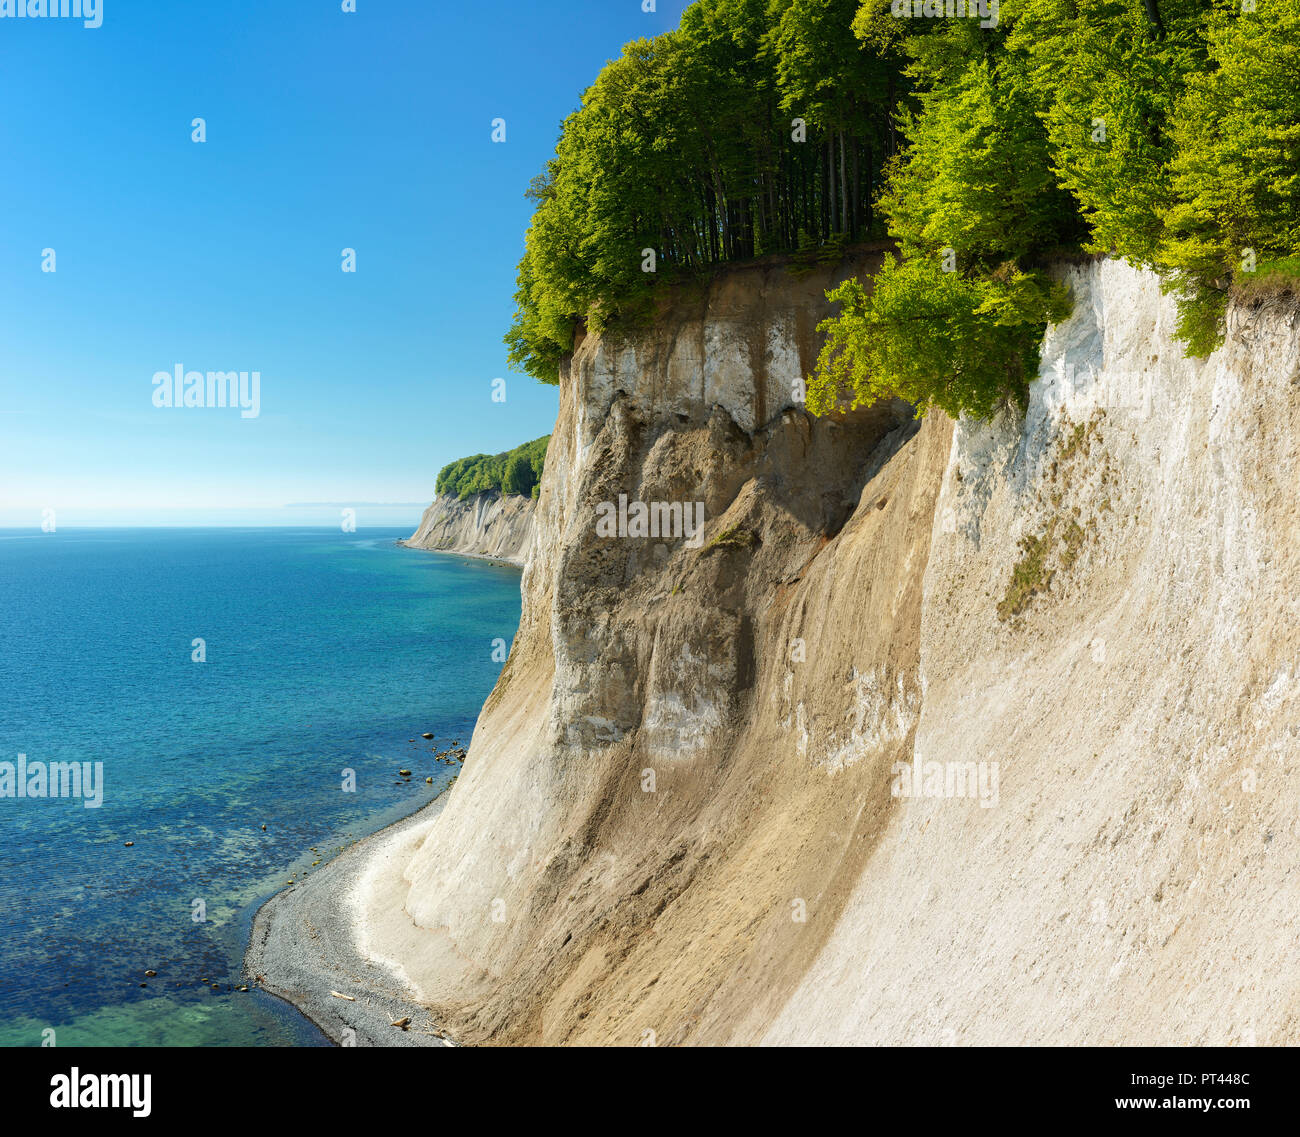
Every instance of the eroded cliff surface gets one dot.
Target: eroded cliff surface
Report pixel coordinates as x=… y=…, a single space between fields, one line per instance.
x=1136 y=882
x=485 y=525
x=687 y=808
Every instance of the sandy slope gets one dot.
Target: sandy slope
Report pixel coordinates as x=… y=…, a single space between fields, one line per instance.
x=677 y=820
x=1138 y=880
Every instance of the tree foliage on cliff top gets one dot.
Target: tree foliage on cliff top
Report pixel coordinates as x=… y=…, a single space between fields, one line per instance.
x=1166 y=132
x=957 y=321
x=517 y=471
x=684 y=145
x=1163 y=131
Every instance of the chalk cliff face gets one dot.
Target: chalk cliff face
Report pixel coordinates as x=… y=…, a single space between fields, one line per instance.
x=689 y=812
x=485 y=525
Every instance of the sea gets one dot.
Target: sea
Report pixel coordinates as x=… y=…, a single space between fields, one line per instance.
x=241 y=701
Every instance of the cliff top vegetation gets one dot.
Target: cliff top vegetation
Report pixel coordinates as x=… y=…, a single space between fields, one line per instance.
x=517 y=471
x=1166 y=132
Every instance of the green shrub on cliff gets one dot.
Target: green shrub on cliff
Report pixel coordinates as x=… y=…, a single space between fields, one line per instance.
x=1163 y=131
x=1107 y=76
x=964 y=343
x=517 y=471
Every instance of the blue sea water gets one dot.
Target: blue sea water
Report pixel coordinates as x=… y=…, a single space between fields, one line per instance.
x=325 y=652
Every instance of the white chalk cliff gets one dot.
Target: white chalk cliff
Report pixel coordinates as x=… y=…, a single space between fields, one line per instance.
x=485 y=525
x=678 y=812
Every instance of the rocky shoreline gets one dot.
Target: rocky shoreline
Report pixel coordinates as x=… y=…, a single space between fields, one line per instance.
x=506 y=561
x=304 y=947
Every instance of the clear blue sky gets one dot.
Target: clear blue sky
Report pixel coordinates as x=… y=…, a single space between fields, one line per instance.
x=325 y=130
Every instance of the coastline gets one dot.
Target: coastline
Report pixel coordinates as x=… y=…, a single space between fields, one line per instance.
x=304 y=945
x=308 y=940
x=506 y=561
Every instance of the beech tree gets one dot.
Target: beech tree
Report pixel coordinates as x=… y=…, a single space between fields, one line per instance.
x=1163 y=131
x=1233 y=220
x=1107 y=75
x=686 y=145
x=517 y=471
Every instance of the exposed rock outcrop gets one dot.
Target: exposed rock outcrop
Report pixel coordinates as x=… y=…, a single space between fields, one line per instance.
x=688 y=806
x=486 y=525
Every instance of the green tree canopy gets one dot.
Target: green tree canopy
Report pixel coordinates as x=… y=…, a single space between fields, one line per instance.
x=1163 y=131
x=1233 y=218
x=686 y=152
x=517 y=471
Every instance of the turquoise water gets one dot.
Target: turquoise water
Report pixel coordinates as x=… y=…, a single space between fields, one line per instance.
x=325 y=652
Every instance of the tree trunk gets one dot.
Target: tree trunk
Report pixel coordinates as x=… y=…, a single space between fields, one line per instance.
x=1153 y=17
x=857 y=190
x=723 y=211
x=829 y=197
x=868 y=211
x=844 y=196
x=891 y=101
